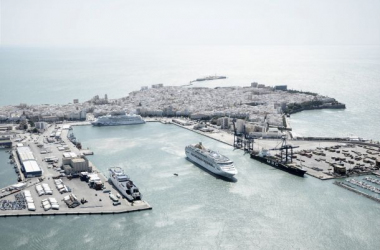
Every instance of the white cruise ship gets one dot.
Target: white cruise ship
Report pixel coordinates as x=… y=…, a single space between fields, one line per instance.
x=118 y=119
x=211 y=160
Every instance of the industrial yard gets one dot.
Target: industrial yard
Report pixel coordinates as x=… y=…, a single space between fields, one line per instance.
x=340 y=160
x=323 y=159
x=52 y=190
x=58 y=179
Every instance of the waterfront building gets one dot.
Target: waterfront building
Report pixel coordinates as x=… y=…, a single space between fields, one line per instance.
x=281 y=87
x=156 y=86
x=71 y=163
x=29 y=165
x=49 y=118
x=254 y=84
x=254 y=103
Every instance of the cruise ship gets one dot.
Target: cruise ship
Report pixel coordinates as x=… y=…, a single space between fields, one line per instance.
x=124 y=184
x=120 y=118
x=211 y=160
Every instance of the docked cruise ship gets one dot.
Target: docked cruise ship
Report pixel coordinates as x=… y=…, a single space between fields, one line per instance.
x=211 y=160
x=120 y=118
x=124 y=184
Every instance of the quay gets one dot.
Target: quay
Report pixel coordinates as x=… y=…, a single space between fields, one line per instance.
x=98 y=201
x=322 y=157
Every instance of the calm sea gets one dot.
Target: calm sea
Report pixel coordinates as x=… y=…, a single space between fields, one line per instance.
x=351 y=74
x=264 y=209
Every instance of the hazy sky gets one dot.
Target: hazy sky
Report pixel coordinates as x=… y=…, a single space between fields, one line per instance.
x=180 y=22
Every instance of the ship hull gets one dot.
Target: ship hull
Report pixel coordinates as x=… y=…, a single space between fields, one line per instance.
x=99 y=124
x=278 y=165
x=122 y=190
x=207 y=167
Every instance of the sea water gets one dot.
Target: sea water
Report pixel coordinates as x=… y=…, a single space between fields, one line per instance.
x=264 y=208
x=8 y=176
x=351 y=74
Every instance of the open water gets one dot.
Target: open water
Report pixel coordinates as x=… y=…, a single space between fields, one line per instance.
x=8 y=175
x=264 y=209
x=351 y=74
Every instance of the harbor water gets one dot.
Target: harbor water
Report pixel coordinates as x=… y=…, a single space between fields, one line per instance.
x=264 y=208
x=8 y=176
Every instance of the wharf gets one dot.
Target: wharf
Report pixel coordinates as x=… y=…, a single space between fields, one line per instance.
x=98 y=202
x=317 y=166
x=18 y=165
x=222 y=137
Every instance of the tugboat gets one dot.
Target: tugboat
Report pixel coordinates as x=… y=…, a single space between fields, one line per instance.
x=124 y=184
x=283 y=162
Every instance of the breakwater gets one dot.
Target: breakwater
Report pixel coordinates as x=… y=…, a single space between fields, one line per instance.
x=345 y=186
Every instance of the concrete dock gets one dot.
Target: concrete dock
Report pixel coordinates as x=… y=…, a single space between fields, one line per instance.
x=98 y=202
x=316 y=165
x=317 y=157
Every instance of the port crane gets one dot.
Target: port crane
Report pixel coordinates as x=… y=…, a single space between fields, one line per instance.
x=238 y=137
x=242 y=140
x=285 y=147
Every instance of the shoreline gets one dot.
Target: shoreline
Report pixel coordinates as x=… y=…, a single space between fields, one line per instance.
x=221 y=136
x=337 y=106
x=227 y=139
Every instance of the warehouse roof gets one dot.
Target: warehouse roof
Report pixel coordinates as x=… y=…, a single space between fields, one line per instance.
x=31 y=166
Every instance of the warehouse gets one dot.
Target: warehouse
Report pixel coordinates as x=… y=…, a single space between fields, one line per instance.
x=24 y=154
x=75 y=164
x=28 y=163
x=31 y=169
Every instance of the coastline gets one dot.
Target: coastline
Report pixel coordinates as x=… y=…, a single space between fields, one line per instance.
x=337 y=106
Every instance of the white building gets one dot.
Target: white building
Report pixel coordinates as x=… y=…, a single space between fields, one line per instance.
x=41 y=125
x=29 y=165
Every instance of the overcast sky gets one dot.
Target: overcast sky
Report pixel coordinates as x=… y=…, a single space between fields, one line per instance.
x=123 y=23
